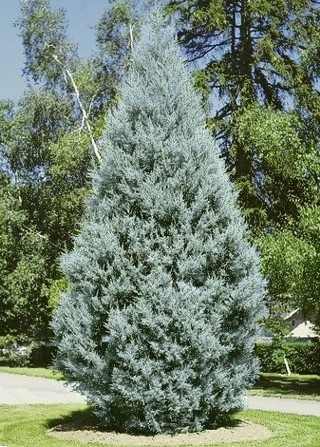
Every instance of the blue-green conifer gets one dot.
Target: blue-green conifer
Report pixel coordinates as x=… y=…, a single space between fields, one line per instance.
x=158 y=327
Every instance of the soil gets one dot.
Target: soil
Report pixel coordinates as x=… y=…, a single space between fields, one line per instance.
x=243 y=431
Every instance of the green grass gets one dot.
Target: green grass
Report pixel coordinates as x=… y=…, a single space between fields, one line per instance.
x=294 y=386
x=32 y=372
x=26 y=426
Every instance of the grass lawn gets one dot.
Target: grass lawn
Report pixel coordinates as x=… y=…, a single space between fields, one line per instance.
x=294 y=386
x=26 y=426
x=32 y=372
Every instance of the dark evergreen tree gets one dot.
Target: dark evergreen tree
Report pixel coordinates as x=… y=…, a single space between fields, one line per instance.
x=249 y=52
x=158 y=326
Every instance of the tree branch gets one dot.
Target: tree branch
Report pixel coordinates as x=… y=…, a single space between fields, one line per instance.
x=85 y=116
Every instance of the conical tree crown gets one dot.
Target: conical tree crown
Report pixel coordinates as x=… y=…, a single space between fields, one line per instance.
x=159 y=323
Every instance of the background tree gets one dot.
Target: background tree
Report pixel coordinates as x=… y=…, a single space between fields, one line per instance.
x=251 y=51
x=289 y=153
x=48 y=146
x=257 y=62
x=22 y=307
x=160 y=319
x=117 y=31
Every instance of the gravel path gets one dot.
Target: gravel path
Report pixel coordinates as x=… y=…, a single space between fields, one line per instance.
x=17 y=389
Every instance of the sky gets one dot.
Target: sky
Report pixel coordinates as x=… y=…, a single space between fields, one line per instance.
x=82 y=15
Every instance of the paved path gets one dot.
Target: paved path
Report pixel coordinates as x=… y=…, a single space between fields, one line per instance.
x=296 y=406
x=17 y=389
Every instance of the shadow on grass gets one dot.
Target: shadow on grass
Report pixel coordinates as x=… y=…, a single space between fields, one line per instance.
x=85 y=420
x=76 y=420
x=289 y=384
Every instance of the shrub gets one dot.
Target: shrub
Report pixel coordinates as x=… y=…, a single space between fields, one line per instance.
x=15 y=351
x=303 y=357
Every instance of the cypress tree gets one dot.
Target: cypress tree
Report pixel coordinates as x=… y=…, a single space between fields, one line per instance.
x=159 y=323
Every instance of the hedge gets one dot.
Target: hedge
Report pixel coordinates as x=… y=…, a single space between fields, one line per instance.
x=14 y=351
x=303 y=357
x=18 y=351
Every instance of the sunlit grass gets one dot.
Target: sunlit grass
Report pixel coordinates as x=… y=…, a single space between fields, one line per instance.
x=32 y=372
x=27 y=425
x=294 y=386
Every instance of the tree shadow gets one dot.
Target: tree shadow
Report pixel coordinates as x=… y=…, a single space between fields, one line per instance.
x=85 y=420
x=289 y=385
x=76 y=420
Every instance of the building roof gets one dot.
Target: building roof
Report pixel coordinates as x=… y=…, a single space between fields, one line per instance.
x=303 y=330
x=291 y=314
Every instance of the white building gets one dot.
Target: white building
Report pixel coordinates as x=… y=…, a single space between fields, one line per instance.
x=299 y=327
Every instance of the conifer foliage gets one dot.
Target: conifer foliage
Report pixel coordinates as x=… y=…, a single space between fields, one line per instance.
x=165 y=294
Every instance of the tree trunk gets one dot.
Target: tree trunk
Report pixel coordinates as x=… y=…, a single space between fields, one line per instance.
x=243 y=162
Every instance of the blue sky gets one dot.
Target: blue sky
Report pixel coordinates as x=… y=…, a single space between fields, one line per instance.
x=81 y=14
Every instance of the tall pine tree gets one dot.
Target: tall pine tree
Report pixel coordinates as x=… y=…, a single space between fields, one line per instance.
x=159 y=323
x=253 y=52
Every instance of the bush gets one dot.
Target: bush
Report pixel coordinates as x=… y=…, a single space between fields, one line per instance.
x=42 y=355
x=22 y=351
x=303 y=357
x=15 y=351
